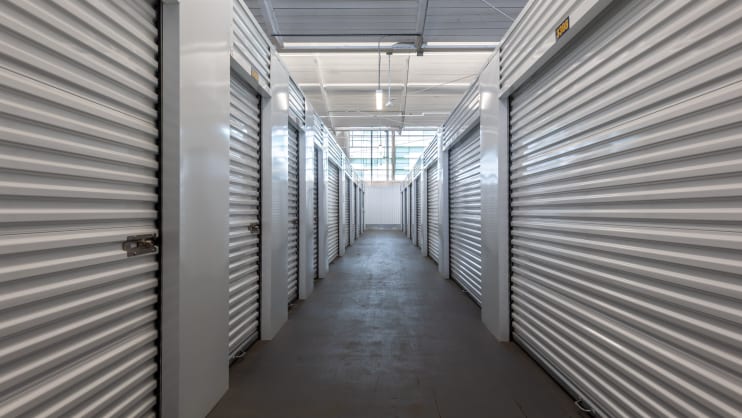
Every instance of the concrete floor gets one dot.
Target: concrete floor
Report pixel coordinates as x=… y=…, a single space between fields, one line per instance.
x=384 y=336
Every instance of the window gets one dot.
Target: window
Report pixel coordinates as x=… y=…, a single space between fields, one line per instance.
x=370 y=152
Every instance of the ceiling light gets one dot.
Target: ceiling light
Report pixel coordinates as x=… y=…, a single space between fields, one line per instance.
x=379 y=92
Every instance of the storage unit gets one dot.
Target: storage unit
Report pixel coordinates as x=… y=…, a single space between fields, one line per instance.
x=357 y=211
x=348 y=211
x=244 y=216
x=418 y=210
x=293 y=215
x=333 y=212
x=434 y=244
x=79 y=145
x=315 y=214
x=625 y=181
x=465 y=240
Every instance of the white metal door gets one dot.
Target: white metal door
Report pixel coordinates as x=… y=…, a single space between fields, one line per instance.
x=626 y=212
x=348 y=212
x=293 y=213
x=434 y=244
x=357 y=211
x=244 y=216
x=315 y=216
x=79 y=144
x=333 y=212
x=418 y=210
x=465 y=215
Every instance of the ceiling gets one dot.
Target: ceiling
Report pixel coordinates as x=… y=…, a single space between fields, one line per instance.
x=424 y=89
x=331 y=50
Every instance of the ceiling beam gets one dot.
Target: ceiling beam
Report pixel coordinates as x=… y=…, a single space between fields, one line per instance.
x=422 y=16
x=325 y=96
x=397 y=49
x=404 y=90
x=272 y=22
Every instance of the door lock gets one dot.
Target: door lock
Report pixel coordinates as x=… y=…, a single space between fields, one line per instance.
x=254 y=227
x=140 y=244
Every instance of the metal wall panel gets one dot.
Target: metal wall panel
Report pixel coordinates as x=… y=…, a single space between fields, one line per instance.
x=315 y=215
x=79 y=144
x=531 y=39
x=297 y=104
x=434 y=243
x=418 y=210
x=251 y=48
x=626 y=173
x=333 y=212
x=244 y=216
x=463 y=117
x=430 y=153
x=465 y=215
x=293 y=211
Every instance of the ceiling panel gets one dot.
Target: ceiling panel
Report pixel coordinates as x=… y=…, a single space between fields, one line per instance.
x=340 y=84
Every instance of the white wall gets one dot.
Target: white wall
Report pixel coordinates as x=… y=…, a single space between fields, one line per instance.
x=382 y=204
x=195 y=211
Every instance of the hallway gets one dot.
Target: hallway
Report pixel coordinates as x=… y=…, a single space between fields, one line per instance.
x=384 y=336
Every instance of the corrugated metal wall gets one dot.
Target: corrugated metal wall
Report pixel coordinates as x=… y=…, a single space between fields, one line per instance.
x=627 y=205
x=381 y=207
x=251 y=48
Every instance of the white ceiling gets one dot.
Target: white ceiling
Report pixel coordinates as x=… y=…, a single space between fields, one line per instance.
x=434 y=84
x=330 y=49
x=366 y=20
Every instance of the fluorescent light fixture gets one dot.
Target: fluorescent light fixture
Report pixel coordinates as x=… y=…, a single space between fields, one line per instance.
x=379 y=99
x=483 y=44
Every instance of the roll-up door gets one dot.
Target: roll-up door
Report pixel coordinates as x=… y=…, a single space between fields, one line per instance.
x=244 y=216
x=79 y=271
x=357 y=211
x=315 y=216
x=333 y=212
x=434 y=244
x=293 y=213
x=466 y=215
x=418 y=210
x=626 y=211
x=348 y=212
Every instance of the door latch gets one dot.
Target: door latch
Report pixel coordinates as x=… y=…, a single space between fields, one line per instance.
x=140 y=244
x=254 y=227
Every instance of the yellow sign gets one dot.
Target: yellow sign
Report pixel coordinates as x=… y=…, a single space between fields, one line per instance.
x=562 y=28
x=254 y=74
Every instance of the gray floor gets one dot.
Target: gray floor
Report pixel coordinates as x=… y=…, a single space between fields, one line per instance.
x=385 y=336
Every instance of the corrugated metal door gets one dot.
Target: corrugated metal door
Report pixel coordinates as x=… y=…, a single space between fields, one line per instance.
x=315 y=216
x=293 y=244
x=348 y=212
x=244 y=216
x=357 y=211
x=466 y=215
x=418 y=210
x=79 y=144
x=627 y=206
x=333 y=212
x=434 y=245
